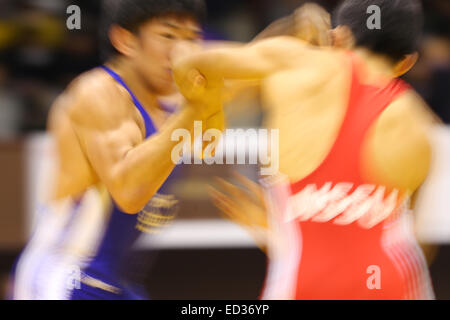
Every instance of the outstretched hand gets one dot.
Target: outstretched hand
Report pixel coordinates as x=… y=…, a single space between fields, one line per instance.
x=243 y=205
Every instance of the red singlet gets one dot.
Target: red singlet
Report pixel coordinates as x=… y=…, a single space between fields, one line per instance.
x=336 y=235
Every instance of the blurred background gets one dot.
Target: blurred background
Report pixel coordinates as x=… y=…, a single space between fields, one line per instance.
x=201 y=256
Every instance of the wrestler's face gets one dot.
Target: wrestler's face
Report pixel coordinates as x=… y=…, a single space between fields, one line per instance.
x=156 y=40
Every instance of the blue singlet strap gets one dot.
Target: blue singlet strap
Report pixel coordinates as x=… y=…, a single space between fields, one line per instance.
x=149 y=127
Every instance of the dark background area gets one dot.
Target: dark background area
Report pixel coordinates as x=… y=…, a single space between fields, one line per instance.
x=39 y=57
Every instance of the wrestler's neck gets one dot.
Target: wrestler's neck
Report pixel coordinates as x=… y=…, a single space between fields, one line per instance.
x=146 y=96
x=376 y=66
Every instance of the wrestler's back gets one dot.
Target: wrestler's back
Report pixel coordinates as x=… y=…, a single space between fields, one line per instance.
x=308 y=105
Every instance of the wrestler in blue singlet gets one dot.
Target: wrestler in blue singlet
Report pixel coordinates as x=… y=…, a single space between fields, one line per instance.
x=103 y=275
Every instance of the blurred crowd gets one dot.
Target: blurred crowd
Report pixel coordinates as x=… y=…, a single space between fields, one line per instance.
x=39 y=56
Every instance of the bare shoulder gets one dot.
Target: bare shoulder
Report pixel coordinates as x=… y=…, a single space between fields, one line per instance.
x=409 y=111
x=400 y=148
x=93 y=99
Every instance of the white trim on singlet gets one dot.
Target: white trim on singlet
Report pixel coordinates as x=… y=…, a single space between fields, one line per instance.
x=398 y=242
x=284 y=244
x=61 y=243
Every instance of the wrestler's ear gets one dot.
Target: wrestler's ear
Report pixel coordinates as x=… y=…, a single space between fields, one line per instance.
x=123 y=40
x=406 y=64
x=342 y=37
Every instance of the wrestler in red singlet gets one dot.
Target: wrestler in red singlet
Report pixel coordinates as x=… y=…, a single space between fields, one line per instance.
x=337 y=235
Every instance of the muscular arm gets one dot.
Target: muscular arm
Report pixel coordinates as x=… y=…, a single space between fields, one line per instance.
x=282 y=44
x=254 y=61
x=131 y=170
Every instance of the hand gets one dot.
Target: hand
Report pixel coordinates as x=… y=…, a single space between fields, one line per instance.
x=313 y=24
x=244 y=206
x=201 y=94
x=191 y=83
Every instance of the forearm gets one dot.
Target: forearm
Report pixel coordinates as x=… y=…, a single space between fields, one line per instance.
x=216 y=65
x=254 y=61
x=145 y=168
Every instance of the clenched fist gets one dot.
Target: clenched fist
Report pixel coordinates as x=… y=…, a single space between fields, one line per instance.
x=312 y=24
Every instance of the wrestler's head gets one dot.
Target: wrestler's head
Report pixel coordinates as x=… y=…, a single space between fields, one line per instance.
x=144 y=32
x=391 y=28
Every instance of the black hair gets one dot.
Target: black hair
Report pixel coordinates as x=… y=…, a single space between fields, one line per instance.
x=401 y=25
x=131 y=14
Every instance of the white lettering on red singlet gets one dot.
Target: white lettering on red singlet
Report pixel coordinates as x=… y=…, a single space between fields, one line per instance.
x=367 y=204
